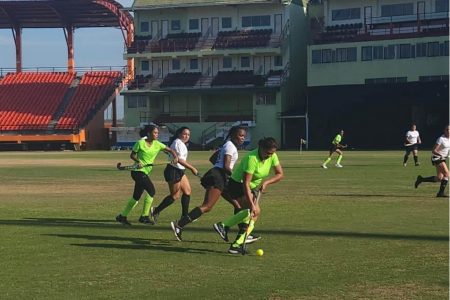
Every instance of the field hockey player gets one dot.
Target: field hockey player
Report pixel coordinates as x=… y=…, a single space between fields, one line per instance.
x=144 y=153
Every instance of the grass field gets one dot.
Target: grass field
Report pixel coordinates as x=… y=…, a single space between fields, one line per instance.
x=362 y=231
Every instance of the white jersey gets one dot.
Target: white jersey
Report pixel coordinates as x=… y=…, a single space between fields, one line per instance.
x=444 y=146
x=412 y=137
x=182 y=152
x=227 y=149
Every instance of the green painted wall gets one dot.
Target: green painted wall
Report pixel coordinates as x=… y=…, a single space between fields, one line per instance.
x=357 y=72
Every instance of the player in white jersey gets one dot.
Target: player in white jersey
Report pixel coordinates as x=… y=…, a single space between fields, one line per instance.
x=215 y=180
x=174 y=175
x=439 y=155
x=412 y=142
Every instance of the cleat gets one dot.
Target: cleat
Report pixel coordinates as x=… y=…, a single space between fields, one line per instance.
x=324 y=166
x=418 y=181
x=251 y=238
x=417 y=164
x=338 y=165
x=404 y=164
x=441 y=195
x=154 y=217
x=176 y=230
x=237 y=250
x=145 y=220
x=123 y=220
x=222 y=231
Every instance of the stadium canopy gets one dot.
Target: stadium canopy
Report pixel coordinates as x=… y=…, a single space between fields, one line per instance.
x=65 y=14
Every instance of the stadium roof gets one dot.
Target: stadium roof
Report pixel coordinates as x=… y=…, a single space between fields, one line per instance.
x=157 y=4
x=59 y=13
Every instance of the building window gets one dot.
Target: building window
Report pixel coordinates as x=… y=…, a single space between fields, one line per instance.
x=346 y=14
x=326 y=56
x=137 y=101
x=366 y=53
x=193 y=24
x=255 y=21
x=433 y=49
x=385 y=80
x=193 y=64
x=341 y=54
x=351 y=54
x=278 y=61
x=378 y=52
x=145 y=27
x=245 y=62
x=145 y=65
x=226 y=22
x=316 y=56
x=266 y=99
x=445 y=46
x=226 y=62
x=175 y=64
x=175 y=25
x=389 y=52
x=405 y=51
x=441 y=5
x=421 y=49
x=401 y=9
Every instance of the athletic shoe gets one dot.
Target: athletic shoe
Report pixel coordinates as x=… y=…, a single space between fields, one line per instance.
x=218 y=227
x=251 y=238
x=237 y=250
x=145 y=220
x=404 y=164
x=176 y=230
x=417 y=164
x=153 y=215
x=324 y=166
x=418 y=181
x=441 y=195
x=123 y=220
x=338 y=165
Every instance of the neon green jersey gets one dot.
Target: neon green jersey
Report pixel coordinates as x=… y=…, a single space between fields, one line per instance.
x=337 y=139
x=147 y=154
x=252 y=164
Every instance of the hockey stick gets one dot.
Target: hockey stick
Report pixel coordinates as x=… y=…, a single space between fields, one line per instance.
x=130 y=167
x=256 y=196
x=407 y=145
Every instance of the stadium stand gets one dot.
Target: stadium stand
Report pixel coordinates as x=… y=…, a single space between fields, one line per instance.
x=181 y=79
x=94 y=89
x=237 y=78
x=243 y=39
x=28 y=100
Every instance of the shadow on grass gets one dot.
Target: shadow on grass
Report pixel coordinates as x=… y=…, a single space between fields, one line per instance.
x=366 y=195
x=131 y=243
x=111 y=224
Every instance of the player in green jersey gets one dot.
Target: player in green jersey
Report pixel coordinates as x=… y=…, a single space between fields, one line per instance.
x=251 y=176
x=337 y=147
x=143 y=154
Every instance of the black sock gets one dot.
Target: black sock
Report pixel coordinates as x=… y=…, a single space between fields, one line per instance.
x=429 y=179
x=416 y=159
x=405 y=159
x=190 y=217
x=443 y=186
x=165 y=203
x=185 y=199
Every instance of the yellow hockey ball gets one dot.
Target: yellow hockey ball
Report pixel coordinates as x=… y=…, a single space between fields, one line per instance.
x=260 y=252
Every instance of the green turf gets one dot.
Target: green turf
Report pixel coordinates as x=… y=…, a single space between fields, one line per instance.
x=360 y=232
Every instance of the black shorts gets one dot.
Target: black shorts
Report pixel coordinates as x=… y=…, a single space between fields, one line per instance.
x=411 y=148
x=215 y=177
x=172 y=174
x=235 y=189
x=436 y=160
x=333 y=148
